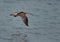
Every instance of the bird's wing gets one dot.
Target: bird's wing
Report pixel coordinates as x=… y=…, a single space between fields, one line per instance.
x=25 y=20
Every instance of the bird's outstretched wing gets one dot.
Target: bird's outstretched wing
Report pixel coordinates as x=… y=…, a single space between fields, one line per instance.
x=25 y=20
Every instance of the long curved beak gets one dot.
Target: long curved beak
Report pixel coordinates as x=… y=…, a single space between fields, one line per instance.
x=11 y=14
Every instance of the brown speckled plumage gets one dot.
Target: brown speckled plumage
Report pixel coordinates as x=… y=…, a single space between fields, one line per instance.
x=22 y=15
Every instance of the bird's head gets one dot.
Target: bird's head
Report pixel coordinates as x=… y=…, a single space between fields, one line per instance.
x=14 y=14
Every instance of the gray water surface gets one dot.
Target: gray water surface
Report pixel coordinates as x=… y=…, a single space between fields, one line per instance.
x=44 y=23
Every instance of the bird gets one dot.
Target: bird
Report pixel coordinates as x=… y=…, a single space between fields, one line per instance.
x=22 y=15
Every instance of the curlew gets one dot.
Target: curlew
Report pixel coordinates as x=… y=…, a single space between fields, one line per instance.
x=22 y=15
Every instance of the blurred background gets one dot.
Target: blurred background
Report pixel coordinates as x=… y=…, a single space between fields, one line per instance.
x=44 y=23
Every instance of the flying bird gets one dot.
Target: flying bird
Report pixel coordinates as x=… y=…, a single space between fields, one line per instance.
x=22 y=15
